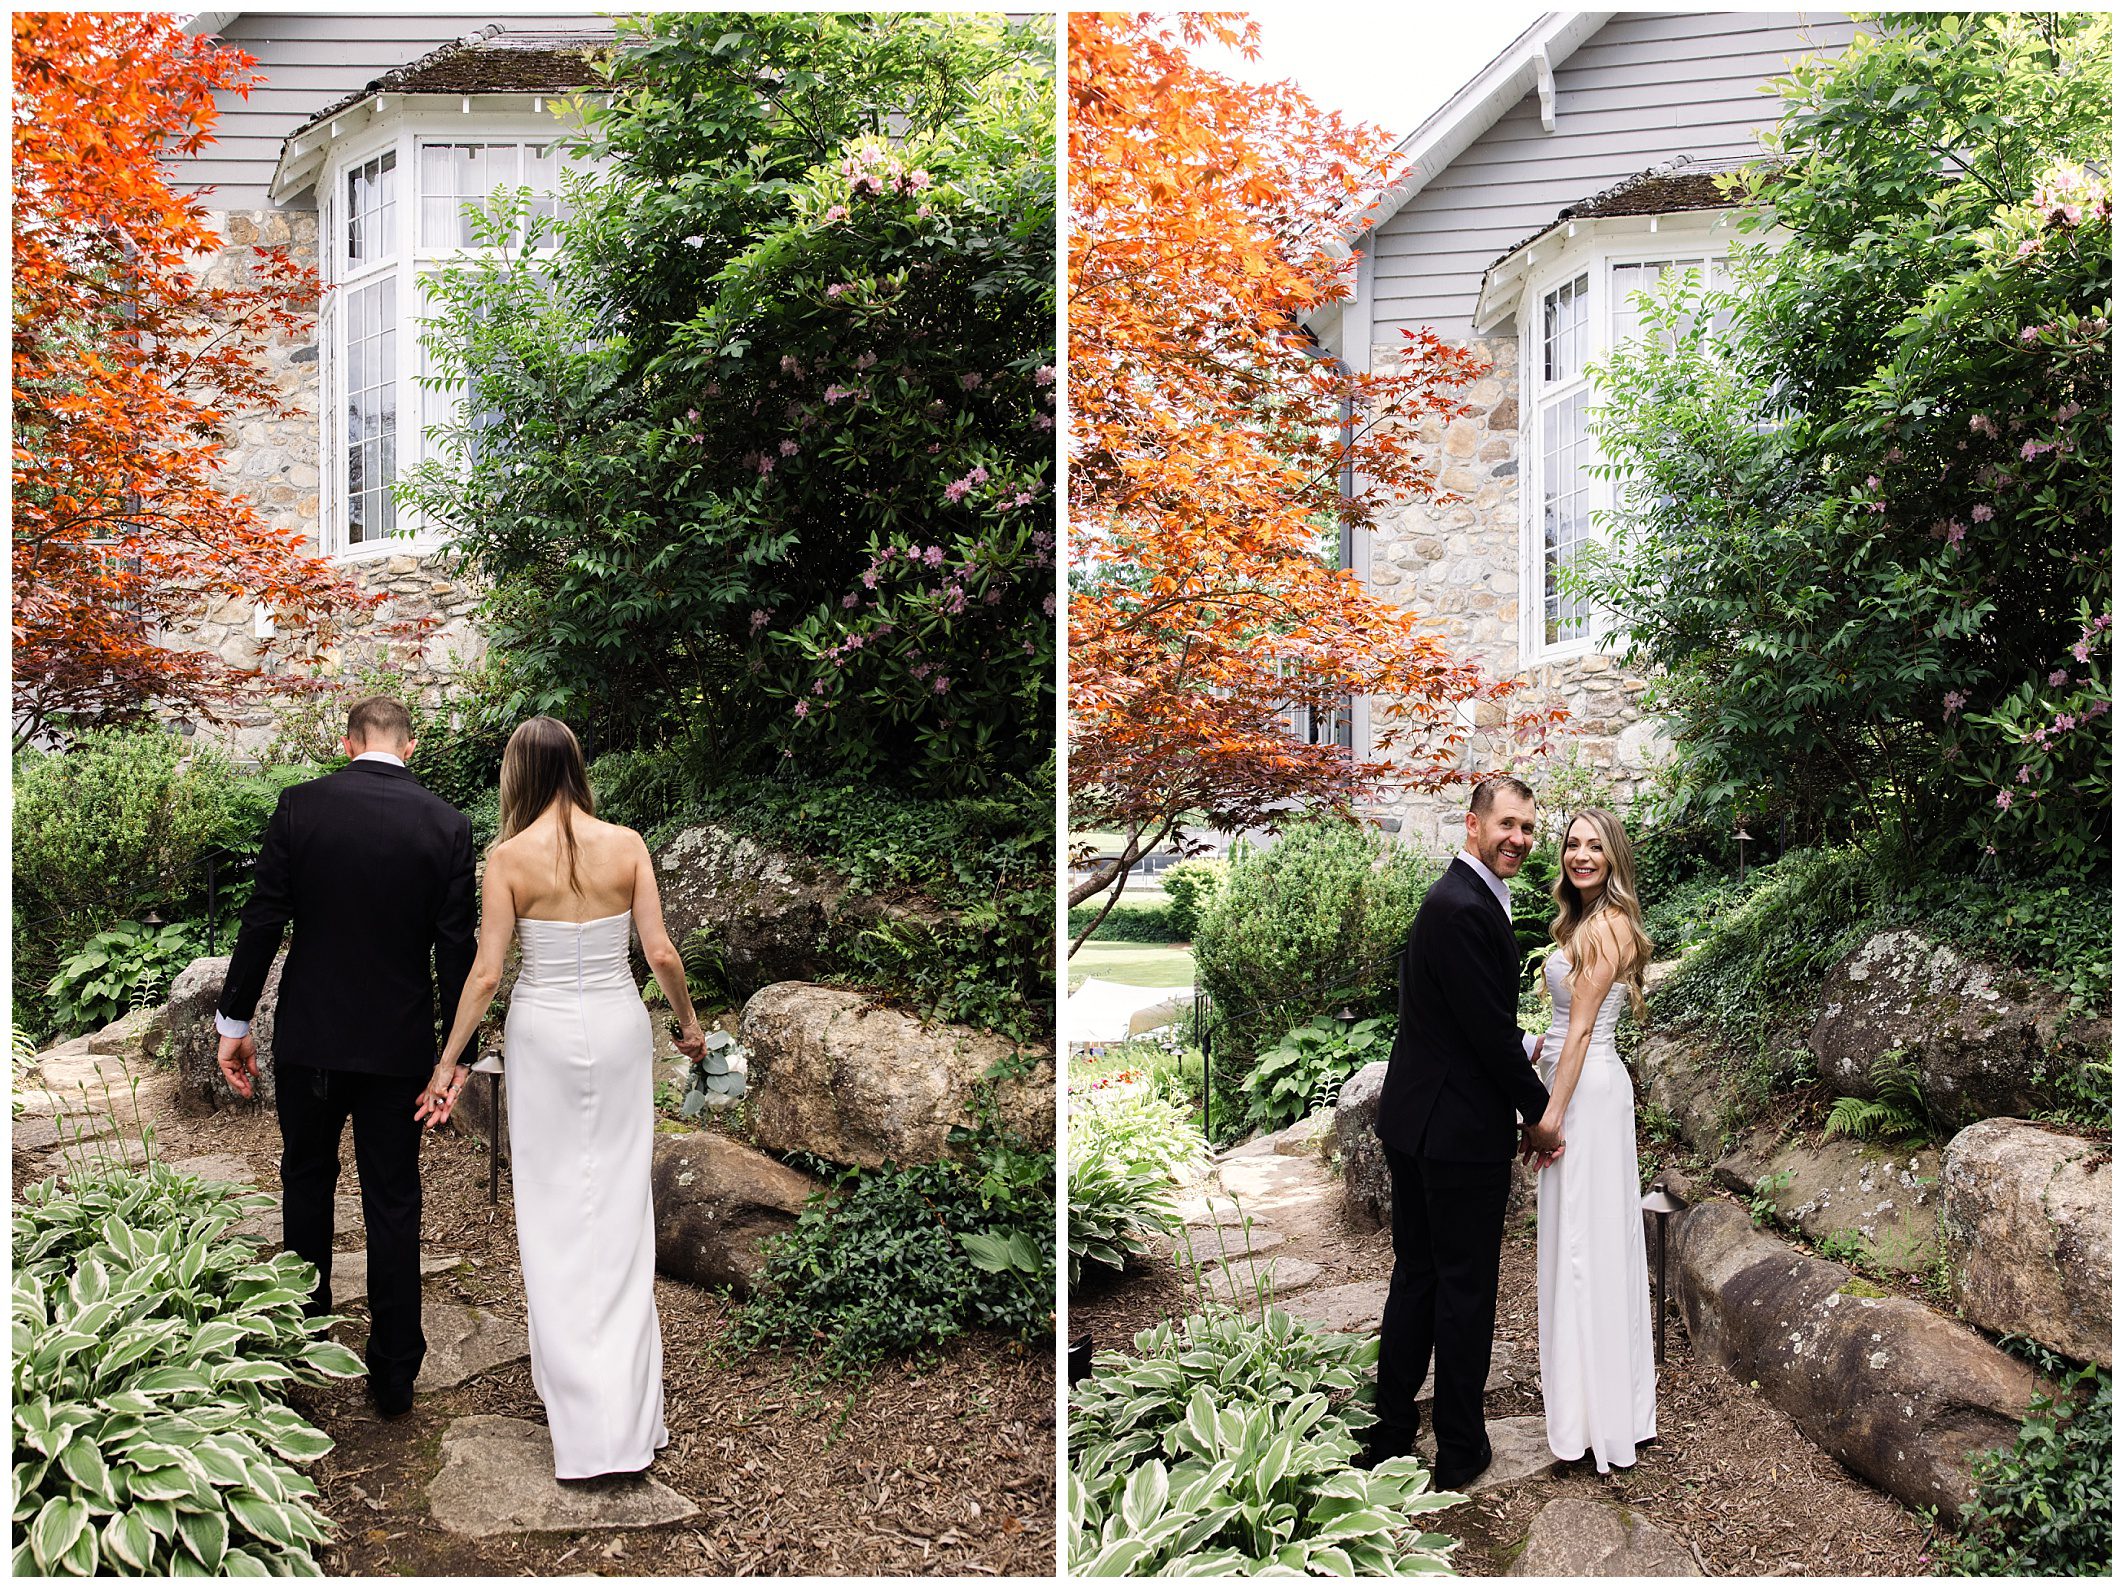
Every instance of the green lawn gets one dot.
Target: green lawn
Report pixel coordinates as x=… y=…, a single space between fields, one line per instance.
x=1138 y=965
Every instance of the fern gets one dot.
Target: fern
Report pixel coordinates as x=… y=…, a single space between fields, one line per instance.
x=1896 y=1112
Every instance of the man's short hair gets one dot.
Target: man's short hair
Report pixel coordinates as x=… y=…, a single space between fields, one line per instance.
x=1487 y=791
x=379 y=717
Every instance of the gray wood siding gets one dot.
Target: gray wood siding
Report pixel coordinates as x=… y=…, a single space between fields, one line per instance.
x=306 y=62
x=1645 y=88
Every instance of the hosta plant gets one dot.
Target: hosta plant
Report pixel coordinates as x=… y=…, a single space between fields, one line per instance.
x=1306 y=1069
x=1254 y=1490
x=1115 y=1207
x=1141 y=1130
x=1135 y=1404
x=149 y=1347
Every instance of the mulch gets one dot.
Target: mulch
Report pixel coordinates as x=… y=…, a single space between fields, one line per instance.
x=1729 y=1473
x=943 y=1465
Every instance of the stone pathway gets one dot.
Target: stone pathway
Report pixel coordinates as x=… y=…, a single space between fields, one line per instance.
x=1277 y=1209
x=82 y=1103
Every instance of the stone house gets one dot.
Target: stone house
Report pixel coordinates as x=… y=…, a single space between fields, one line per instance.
x=358 y=150
x=1570 y=173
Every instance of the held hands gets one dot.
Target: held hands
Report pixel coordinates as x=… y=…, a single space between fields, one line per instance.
x=238 y=1059
x=440 y=1095
x=1541 y=1143
x=692 y=1041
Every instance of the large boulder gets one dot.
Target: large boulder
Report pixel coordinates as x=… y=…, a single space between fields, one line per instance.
x=1367 y=1186
x=1898 y=1394
x=1839 y=1190
x=769 y=915
x=716 y=1201
x=1367 y=1190
x=201 y=1088
x=1677 y=1079
x=837 y=1074
x=1979 y=1036
x=135 y=1038
x=2027 y=1233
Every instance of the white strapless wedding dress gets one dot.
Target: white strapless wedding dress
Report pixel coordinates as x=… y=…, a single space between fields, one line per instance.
x=577 y=1055
x=1598 y=1388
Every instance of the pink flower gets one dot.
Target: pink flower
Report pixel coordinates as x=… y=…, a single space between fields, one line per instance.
x=942 y=685
x=1954 y=701
x=956 y=491
x=918 y=179
x=837 y=212
x=848 y=600
x=818 y=686
x=788 y=448
x=934 y=447
x=2069 y=411
x=766 y=467
x=1047 y=604
x=870 y=579
x=969 y=380
x=1021 y=499
x=934 y=557
x=2096 y=709
x=1984 y=424
x=835 y=393
x=789 y=364
x=1981 y=513
x=1043 y=422
x=837 y=289
x=803 y=708
x=693 y=416
x=1031 y=649
x=2061 y=722
x=979 y=476
x=759 y=620
x=1956 y=529
x=1044 y=375
x=2079 y=652
x=922 y=210
x=2021 y=776
x=2005 y=801
x=865 y=360
x=2058 y=676
x=2029 y=333
x=1873 y=482
x=2031 y=449
x=2028 y=246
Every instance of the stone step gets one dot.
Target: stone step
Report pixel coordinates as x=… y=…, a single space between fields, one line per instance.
x=1519 y=1451
x=497 y=1479
x=1354 y=1307
x=1575 y=1537
x=1240 y=1279
x=1211 y=1244
x=1273 y=1182
x=464 y=1343
x=350 y=1274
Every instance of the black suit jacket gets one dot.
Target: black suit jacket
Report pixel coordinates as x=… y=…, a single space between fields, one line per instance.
x=1458 y=1071
x=375 y=873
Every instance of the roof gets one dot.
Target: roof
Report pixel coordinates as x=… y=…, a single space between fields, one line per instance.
x=1672 y=188
x=493 y=61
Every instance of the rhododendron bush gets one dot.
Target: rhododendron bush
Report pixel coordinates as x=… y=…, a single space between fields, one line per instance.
x=1864 y=517
x=760 y=430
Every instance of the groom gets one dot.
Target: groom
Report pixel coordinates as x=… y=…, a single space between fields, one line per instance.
x=375 y=874
x=1458 y=1072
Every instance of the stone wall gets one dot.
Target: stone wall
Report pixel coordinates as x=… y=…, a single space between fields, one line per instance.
x=425 y=629
x=1459 y=564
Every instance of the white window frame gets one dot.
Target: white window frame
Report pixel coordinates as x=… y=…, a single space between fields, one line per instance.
x=1592 y=249
x=406 y=133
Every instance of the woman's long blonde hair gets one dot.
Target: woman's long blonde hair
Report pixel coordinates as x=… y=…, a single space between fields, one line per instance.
x=1618 y=897
x=542 y=764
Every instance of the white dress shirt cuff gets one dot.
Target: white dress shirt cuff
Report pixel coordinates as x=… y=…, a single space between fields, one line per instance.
x=229 y=1028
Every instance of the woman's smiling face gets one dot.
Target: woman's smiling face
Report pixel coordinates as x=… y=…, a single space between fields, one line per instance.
x=1585 y=858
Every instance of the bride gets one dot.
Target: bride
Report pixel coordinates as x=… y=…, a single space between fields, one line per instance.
x=1597 y=1386
x=578 y=1049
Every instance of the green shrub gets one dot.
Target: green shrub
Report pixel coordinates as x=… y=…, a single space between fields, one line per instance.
x=457 y=746
x=149 y=1345
x=1307 y=1067
x=880 y=1264
x=1128 y=922
x=117 y=825
x=1190 y=886
x=127 y=967
x=2044 y=1508
x=1115 y=1206
x=1310 y=923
